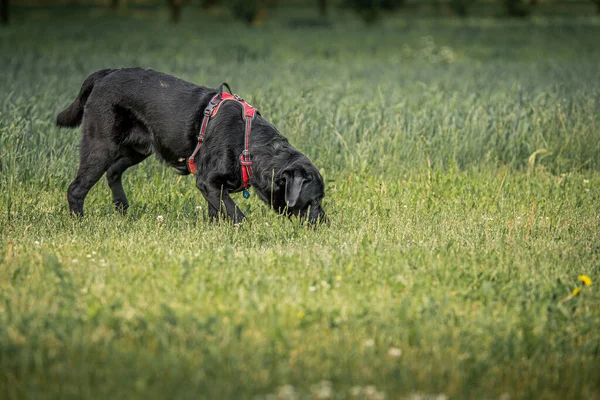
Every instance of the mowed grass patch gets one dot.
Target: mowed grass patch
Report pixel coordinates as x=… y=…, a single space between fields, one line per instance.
x=462 y=186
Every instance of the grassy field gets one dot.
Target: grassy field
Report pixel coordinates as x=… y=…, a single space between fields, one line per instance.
x=462 y=161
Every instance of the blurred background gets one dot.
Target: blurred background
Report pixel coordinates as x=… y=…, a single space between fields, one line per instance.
x=258 y=11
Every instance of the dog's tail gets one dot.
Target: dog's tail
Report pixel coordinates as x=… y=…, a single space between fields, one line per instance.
x=72 y=115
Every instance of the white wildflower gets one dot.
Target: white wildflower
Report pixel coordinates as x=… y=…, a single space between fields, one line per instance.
x=287 y=392
x=322 y=390
x=394 y=352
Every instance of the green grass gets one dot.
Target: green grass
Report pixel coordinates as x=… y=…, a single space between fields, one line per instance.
x=462 y=164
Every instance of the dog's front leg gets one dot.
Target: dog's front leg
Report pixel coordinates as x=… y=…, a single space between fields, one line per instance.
x=219 y=201
x=233 y=211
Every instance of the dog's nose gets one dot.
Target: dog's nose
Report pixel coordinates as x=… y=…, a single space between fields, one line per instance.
x=320 y=219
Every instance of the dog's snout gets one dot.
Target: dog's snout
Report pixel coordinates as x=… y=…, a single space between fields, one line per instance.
x=319 y=218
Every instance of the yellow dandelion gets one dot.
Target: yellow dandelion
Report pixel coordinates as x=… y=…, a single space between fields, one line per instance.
x=576 y=291
x=301 y=315
x=585 y=279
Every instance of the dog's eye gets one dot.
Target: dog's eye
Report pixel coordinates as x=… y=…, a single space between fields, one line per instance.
x=309 y=178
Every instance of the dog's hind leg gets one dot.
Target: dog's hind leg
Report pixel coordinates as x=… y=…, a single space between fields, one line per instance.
x=127 y=158
x=98 y=152
x=96 y=158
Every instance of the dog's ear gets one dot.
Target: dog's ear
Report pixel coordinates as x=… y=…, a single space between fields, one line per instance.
x=293 y=185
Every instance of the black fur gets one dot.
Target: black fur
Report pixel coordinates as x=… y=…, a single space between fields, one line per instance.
x=131 y=113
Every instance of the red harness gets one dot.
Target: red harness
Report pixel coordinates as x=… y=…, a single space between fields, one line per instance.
x=248 y=114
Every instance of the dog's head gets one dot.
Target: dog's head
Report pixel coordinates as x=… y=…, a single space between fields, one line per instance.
x=302 y=188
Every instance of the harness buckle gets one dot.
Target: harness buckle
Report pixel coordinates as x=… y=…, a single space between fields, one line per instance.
x=209 y=109
x=238 y=98
x=211 y=105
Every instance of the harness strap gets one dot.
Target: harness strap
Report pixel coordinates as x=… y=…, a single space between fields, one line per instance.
x=245 y=160
x=248 y=114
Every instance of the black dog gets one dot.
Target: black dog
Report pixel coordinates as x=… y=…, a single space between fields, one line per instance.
x=130 y=113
